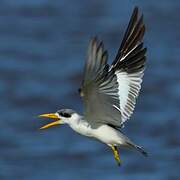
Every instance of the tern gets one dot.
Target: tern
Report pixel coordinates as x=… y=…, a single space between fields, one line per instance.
x=109 y=92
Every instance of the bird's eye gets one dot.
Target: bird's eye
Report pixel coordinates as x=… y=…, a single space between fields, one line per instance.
x=63 y=114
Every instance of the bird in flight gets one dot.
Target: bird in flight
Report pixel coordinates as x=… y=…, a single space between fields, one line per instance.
x=109 y=92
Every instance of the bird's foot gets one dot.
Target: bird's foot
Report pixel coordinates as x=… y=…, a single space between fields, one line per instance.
x=116 y=154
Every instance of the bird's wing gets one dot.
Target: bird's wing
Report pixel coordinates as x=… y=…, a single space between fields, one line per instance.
x=129 y=65
x=109 y=94
x=99 y=87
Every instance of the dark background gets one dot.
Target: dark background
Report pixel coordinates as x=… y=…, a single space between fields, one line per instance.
x=43 y=45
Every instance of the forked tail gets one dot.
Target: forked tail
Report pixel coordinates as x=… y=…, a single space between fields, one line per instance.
x=138 y=148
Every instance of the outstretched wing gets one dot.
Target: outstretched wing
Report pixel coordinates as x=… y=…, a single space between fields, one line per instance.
x=129 y=65
x=99 y=87
x=109 y=94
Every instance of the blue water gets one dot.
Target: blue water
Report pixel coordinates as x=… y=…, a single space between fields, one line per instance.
x=42 y=52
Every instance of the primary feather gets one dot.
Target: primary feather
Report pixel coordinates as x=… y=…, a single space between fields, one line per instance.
x=109 y=93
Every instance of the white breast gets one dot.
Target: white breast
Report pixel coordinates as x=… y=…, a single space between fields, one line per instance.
x=107 y=135
x=80 y=126
x=103 y=133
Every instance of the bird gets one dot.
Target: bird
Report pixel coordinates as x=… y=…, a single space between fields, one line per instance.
x=109 y=92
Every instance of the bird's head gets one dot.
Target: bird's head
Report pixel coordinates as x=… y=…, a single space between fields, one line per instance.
x=63 y=116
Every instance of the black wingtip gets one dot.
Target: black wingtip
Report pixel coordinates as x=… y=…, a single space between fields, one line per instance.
x=135 y=13
x=136 y=9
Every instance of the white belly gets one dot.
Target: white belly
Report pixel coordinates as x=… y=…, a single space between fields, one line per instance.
x=108 y=135
x=103 y=133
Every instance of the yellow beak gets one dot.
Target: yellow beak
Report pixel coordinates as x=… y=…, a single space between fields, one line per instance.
x=52 y=116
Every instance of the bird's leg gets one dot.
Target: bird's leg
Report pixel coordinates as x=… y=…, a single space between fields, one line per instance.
x=116 y=154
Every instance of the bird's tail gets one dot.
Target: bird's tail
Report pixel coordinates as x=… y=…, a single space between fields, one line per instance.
x=138 y=148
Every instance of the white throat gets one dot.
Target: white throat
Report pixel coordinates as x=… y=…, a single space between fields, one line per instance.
x=78 y=124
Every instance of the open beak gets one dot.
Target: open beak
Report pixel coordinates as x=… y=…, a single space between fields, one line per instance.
x=52 y=116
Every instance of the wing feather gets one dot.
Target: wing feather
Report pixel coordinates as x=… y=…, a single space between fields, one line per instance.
x=129 y=65
x=109 y=93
